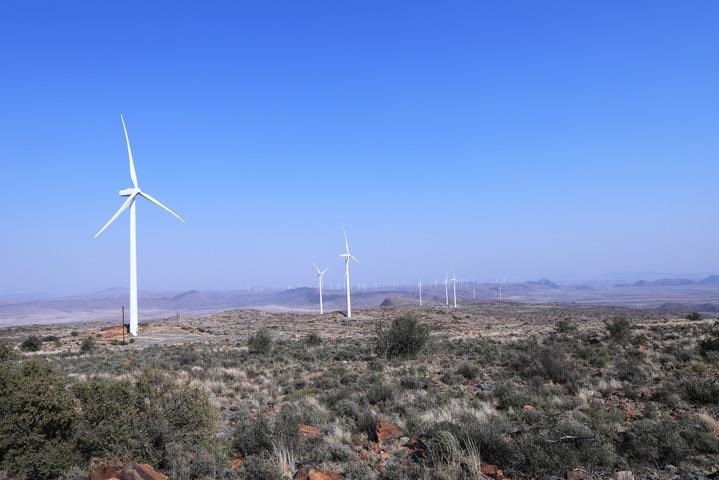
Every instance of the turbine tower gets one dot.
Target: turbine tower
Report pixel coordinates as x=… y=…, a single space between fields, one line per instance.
x=132 y=193
x=446 y=289
x=320 y=274
x=420 y=292
x=348 y=256
x=454 y=287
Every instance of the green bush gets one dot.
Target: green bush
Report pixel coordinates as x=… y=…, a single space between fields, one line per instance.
x=37 y=418
x=313 y=339
x=48 y=426
x=709 y=344
x=618 y=328
x=88 y=344
x=694 y=316
x=260 y=342
x=468 y=370
x=701 y=391
x=405 y=338
x=31 y=344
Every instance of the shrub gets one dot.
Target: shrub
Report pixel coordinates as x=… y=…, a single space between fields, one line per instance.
x=313 y=339
x=31 y=344
x=109 y=420
x=260 y=342
x=565 y=326
x=88 y=345
x=468 y=370
x=710 y=344
x=405 y=338
x=618 y=328
x=701 y=391
x=6 y=352
x=694 y=316
x=36 y=421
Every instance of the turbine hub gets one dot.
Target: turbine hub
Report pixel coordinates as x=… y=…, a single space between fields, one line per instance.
x=126 y=192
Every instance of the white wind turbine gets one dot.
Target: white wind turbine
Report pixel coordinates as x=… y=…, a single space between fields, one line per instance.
x=320 y=274
x=420 y=292
x=348 y=256
x=454 y=287
x=132 y=193
x=446 y=289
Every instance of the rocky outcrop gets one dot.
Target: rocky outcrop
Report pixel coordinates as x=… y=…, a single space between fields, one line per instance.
x=387 y=432
x=119 y=470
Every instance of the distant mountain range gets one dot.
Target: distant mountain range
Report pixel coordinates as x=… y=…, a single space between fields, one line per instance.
x=711 y=280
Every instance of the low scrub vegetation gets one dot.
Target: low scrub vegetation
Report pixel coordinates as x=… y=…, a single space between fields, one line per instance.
x=392 y=406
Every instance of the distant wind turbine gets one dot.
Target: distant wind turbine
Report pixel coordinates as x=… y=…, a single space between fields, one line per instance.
x=420 y=292
x=320 y=274
x=454 y=287
x=446 y=289
x=348 y=256
x=131 y=194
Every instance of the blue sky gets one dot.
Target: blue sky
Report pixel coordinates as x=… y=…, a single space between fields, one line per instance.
x=510 y=139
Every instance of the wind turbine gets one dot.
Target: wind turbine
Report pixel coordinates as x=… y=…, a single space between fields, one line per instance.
x=132 y=193
x=420 y=292
x=454 y=287
x=348 y=256
x=446 y=289
x=320 y=274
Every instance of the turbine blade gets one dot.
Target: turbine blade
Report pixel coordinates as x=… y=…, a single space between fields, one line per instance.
x=117 y=214
x=159 y=204
x=323 y=271
x=133 y=174
x=347 y=245
x=353 y=258
x=316 y=268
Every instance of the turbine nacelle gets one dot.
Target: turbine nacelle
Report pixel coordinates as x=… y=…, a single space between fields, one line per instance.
x=126 y=192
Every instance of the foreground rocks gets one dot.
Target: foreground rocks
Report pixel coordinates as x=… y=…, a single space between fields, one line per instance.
x=119 y=470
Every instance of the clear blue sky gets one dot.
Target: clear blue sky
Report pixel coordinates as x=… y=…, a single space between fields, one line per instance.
x=562 y=139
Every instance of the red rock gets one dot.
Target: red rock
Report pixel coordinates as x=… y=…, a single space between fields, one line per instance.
x=489 y=469
x=235 y=464
x=578 y=474
x=309 y=431
x=387 y=432
x=116 y=469
x=308 y=472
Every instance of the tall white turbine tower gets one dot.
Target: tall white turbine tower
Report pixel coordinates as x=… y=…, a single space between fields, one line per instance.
x=132 y=193
x=446 y=289
x=454 y=287
x=348 y=256
x=420 y=292
x=320 y=274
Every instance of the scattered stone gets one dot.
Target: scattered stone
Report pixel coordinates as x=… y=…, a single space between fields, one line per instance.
x=308 y=431
x=404 y=440
x=528 y=408
x=489 y=469
x=235 y=464
x=309 y=472
x=387 y=432
x=624 y=475
x=578 y=474
x=116 y=469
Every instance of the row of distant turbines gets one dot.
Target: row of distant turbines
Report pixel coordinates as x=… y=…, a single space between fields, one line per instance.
x=131 y=194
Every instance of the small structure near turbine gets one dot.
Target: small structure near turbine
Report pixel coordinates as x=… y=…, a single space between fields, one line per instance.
x=320 y=274
x=348 y=256
x=132 y=193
